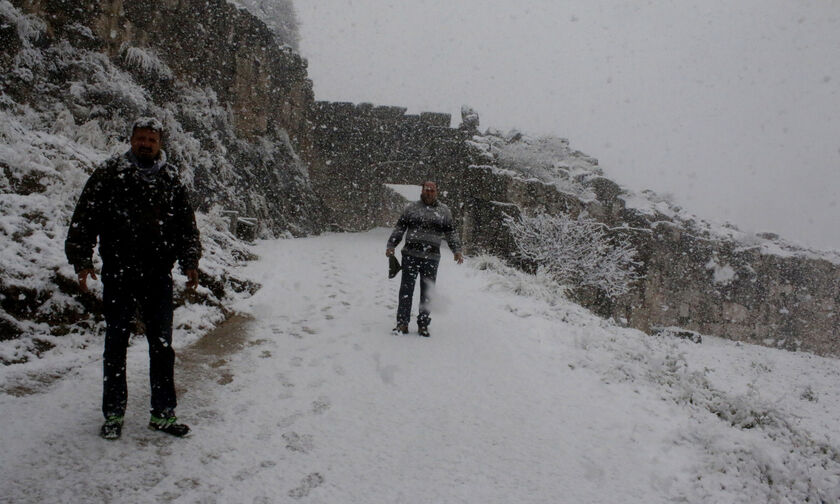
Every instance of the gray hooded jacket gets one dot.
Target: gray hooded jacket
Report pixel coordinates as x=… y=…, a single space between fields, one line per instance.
x=424 y=227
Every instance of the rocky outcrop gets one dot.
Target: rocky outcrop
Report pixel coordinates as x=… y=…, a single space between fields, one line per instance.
x=215 y=71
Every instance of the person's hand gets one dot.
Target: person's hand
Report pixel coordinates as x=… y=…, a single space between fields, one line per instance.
x=83 y=278
x=459 y=258
x=192 y=279
x=389 y=252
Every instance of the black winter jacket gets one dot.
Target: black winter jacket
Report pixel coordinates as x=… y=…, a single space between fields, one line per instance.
x=143 y=226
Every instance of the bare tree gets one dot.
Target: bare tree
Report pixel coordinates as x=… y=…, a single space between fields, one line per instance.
x=576 y=252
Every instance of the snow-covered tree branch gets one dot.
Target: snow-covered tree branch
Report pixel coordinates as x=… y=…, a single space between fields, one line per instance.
x=576 y=252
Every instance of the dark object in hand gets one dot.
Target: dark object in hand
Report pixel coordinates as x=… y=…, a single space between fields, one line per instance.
x=393 y=266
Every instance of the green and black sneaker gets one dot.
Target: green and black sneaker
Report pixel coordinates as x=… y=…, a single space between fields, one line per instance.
x=112 y=428
x=168 y=423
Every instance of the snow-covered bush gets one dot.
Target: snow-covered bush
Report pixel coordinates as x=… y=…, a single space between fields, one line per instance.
x=548 y=159
x=576 y=252
x=146 y=60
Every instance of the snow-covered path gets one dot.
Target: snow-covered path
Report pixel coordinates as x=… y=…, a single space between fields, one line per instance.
x=515 y=398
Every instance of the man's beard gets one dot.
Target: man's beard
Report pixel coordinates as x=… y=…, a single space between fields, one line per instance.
x=145 y=154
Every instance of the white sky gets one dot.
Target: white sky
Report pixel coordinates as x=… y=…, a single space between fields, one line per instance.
x=732 y=107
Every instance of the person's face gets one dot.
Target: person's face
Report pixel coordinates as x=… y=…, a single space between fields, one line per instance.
x=145 y=144
x=429 y=193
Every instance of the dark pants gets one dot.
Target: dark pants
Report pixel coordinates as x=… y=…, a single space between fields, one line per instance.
x=411 y=266
x=123 y=296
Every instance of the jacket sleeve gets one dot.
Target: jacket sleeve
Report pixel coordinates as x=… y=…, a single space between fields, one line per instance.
x=399 y=230
x=189 y=240
x=85 y=224
x=451 y=235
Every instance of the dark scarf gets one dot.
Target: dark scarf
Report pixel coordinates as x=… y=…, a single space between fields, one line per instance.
x=148 y=169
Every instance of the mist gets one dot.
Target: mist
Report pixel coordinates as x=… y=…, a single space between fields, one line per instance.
x=730 y=108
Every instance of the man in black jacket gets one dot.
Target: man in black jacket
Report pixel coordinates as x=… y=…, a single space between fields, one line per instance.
x=425 y=223
x=137 y=207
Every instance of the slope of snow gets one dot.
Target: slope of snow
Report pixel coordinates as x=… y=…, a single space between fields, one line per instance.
x=518 y=396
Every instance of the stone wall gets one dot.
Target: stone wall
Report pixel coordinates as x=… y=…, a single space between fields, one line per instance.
x=735 y=291
x=361 y=147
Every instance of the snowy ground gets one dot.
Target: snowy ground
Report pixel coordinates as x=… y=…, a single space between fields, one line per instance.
x=518 y=396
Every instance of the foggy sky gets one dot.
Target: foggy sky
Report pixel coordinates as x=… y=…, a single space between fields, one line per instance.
x=732 y=107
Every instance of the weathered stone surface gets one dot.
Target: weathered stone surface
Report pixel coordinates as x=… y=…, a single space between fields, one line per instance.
x=261 y=93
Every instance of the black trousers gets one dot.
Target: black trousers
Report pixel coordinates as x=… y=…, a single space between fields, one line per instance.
x=411 y=267
x=123 y=296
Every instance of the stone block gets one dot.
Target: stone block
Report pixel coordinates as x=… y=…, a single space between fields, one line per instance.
x=438 y=119
x=388 y=112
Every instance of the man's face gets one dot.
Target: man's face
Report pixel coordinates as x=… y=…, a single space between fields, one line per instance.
x=145 y=144
x=429 y=193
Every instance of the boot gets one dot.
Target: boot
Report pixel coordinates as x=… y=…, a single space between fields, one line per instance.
x=112 y=428
x=168 y=423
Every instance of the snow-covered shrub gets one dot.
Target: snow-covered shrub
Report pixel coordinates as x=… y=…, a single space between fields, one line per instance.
x=29 y=27
x=576 y=252
x=146 y=61
x=546 y=158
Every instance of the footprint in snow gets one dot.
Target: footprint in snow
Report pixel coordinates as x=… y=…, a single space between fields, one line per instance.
x=284 y=381
x=386 y=373
x=320 y=405
x=289 y=420
x=298 y=443
x=226 y=378
x=308 y=483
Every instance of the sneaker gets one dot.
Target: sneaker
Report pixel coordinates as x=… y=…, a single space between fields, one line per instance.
x=168 y=424
x=401 y=328
x=112 y=428
x=423 y=331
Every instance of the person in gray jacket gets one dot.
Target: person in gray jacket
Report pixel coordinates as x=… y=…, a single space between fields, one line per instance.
x=425 y=223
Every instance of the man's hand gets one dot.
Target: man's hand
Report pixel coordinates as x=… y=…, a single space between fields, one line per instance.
x=389 y=252
x=83 y=278
x=192 y=279
x=459 y=258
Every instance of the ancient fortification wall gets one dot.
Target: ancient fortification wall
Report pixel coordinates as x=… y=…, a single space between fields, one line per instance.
x=361 y=147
